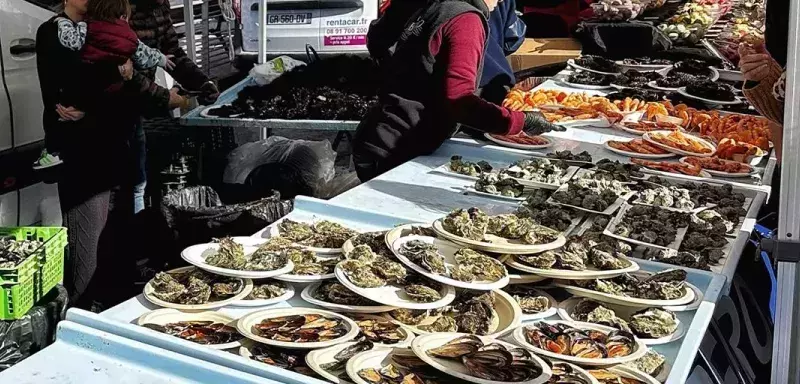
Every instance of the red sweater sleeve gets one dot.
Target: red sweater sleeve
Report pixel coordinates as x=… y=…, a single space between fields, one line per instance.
x=459 y=45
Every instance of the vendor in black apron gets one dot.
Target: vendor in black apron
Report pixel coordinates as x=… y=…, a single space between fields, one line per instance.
x=431 y=63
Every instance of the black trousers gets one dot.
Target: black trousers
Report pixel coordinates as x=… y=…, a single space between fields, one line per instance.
x=99 y=268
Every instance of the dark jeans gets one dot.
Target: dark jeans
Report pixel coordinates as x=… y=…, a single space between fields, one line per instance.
x=98 y=267
x=139 y=148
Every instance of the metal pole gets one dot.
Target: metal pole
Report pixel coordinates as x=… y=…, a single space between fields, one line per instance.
x=206 y=41
x=188 y=22
x=785 y=358
x=262 y=31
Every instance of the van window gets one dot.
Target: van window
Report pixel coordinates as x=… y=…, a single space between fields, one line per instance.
x=52 y=5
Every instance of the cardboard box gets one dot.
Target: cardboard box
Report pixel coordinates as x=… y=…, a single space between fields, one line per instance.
x=540 y=52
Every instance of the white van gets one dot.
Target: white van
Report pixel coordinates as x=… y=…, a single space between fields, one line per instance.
x=23 y=198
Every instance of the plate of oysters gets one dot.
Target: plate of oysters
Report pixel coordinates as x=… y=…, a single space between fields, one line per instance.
x=667 y=288
x=190 y=288
x=449 y=263
x=330 y=362
x=651 y=325
x=334 y=296
x=266 y=292
x=578 y=259
x=322 y=237
x=392 y=365
x=580 y=343
x=297 y=328
x=533 y=302
x=211 y=329
x=375 y=240
x=239 y=257
x=506 y=233
x=480 y=359
x=493 y=313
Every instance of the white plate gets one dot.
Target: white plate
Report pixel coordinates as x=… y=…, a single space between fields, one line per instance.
x=204 y=112
x=407 y=331
x=395 y=296
x=245 y=325
x=448 y=251
x=197 y=254
x=572 y=64
x=472 y=191
x=647 y=137
x=148 y=294
x=646 y=169
x=308 y=295
x=452 y=367
x=444 y=169
x=580 y=371
x=625 y=128
x=376 y=358
x=401 y=231
x=501 y=245
x=682 y=91
x=274 y=231
x=600 y=122
x=565 y=274
x=636 y=154
x=318 y=357
x=585 y=86
x=642 y=67
x=714 y=73
x=566 y=176
x=264 y=302
x=612 y=225
x=507 y=315
x=655 y=86
x=689 y=297
x=712 y=172
x=730 y=75
x=633 y=373
x=567 y=306
x=639 y=349
x=517 y=278
x=165 y=316
x=517 y=145
x=526 y=317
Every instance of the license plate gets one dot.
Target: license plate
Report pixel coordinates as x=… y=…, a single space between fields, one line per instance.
x=289 y=19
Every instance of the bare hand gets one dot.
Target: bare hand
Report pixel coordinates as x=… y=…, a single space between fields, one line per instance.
x=170 y=64
x=754 y=62
x=126 y=70
x=68 y=113
x=176 y=100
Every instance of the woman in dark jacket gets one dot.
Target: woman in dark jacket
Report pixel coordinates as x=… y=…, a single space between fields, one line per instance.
x=431 y=71
x=95 y=188
x=506 y=35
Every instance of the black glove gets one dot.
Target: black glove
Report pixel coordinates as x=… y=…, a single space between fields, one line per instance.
x=535 y=124
x=208 y=93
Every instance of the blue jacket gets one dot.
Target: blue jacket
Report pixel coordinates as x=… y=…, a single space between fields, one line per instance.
x=506 y=34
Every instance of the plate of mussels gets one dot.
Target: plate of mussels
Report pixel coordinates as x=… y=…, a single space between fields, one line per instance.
x=652 y=325
x=385 y=365
x=711 y=93
x=595 y=64
x=580 y=343
x=388 y=282
x=507 y=233
x=564 y=372
x=190 y=288
x=330 y=362
x=667 y=288
x=483 y=313
x=238 y=257
x=211 y=329
x=588 y=80
x=266 y=292
x=334 y=296
x=450 y=264
x=297 y=328
x=481 y=359
x=322 y=237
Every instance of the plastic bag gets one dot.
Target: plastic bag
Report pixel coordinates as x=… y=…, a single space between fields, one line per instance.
x=34 y=331
x=266 y=72
x=291 y=167
x=197 y=215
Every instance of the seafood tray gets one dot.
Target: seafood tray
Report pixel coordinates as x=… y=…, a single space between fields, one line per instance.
x=614 y=223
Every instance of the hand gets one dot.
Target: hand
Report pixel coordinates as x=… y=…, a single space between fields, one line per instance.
x=210 y=93
x=755 y=65
x=536 y=124
x=68 y=113
x=176 y=100
x=126 y=70
x=170 y=65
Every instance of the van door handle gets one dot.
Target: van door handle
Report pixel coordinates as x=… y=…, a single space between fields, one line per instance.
x=23 y=47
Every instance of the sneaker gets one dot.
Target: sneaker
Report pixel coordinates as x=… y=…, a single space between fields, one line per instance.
x=46 y=160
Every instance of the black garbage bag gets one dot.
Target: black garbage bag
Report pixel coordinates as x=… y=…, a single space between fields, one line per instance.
x=621 y=40
x=37 y=329
x=197 y=215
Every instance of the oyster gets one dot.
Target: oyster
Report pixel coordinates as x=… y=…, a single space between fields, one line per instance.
x=391 y=271
x=544 y=260
x=197 y=292
x=463 y=273
x=606 y=259
x=269 y=290
x=337 y=293
x=409 y=316
x=591 y=193
x=421 y=293
x=361 y=274
x=651 y=363
x=442 y=324
x=230 y=255
x=265 y=261
x=424 y=254
x=651 y=225
x=547 y=171
x=295 y=231
x=480 y=266
x=13 y=252
x=498 y=184
x=229 y=287
x=322 y=234
x=376 y=241
x=469 y=223
x=653 y=323
x=458 y=165
x=528 y=299
x=593 y=312
x=362 y=253
x=166 y=288
x=277 y=244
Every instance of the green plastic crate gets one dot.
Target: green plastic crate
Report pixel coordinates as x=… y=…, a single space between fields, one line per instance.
x=26 y=283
